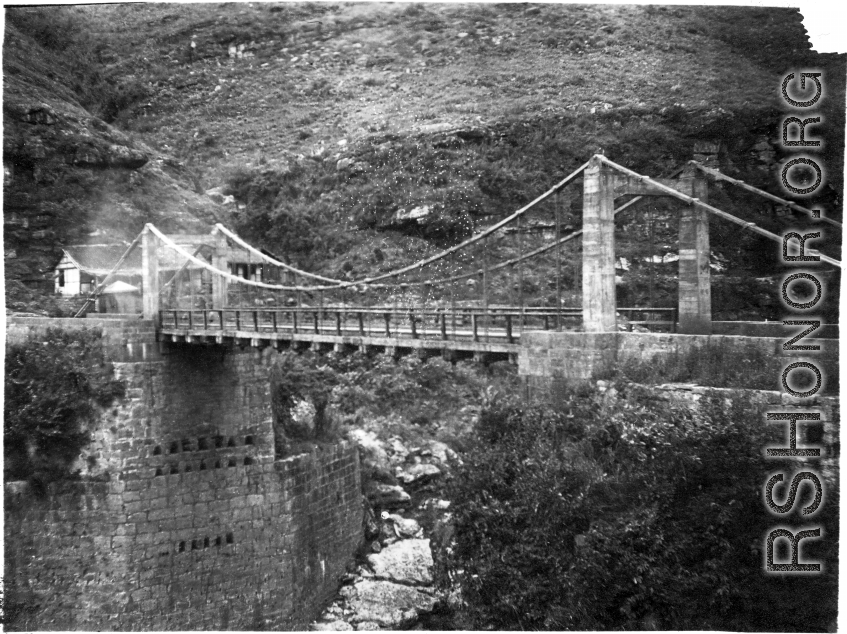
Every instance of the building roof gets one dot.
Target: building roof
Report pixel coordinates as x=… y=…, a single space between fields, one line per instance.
x=98 y=259
x=120 y=287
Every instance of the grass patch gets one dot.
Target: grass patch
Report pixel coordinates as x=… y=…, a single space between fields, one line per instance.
x=717 y=365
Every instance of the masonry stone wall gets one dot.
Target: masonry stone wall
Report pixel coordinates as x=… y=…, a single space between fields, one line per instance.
x=123 y=340
x=550 y=361
x=185 y=518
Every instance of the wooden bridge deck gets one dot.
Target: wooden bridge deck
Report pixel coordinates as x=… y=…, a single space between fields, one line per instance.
x=495 y=330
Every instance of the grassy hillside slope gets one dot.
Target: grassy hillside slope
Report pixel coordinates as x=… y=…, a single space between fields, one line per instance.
x=325 y=120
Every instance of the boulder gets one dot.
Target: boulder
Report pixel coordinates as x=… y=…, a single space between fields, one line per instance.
x=367 y=625
x=371 y=451
x=416 y=214
x=389 y=604
x=418 y=473
x=42 y=114
x=434 y=128
x=439 y=451
x=398 y=449
x=216 y=194
x=128 y=158
x=408 y=561
x=402 y=527
x=388 y=496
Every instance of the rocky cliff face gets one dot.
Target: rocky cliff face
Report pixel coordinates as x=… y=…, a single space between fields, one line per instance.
x=72 y=178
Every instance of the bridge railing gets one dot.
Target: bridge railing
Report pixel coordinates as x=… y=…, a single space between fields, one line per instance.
x=500 y=324
x=654 y=319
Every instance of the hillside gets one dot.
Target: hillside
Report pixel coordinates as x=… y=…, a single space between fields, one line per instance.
x=326 y=120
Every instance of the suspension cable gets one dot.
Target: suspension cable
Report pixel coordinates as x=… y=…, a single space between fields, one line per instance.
x=723 y=177
x=421 y=263
x=752 y=226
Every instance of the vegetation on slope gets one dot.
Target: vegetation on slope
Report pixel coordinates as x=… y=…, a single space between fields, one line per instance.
x=55 y=386
x=326 y=120
x=409 y=398
x=626 y=513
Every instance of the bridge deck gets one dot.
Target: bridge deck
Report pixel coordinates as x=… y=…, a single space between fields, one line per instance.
x=491 y=329
x=495 y=343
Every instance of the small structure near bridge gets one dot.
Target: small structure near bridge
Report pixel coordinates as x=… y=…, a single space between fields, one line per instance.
x=82 y=267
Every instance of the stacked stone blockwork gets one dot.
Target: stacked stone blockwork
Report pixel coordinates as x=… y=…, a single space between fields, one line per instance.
x=185 y=518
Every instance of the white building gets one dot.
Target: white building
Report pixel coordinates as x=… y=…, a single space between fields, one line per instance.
x=82 y=267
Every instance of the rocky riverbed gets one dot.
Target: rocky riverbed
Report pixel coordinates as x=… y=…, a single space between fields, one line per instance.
x=392 y=585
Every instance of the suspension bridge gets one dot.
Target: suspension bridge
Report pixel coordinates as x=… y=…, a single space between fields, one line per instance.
x=475 y=298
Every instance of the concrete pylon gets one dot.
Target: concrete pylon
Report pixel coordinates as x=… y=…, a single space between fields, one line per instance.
x=695 y=285
x=219 y=283
x=149 y=274
x=598 y=248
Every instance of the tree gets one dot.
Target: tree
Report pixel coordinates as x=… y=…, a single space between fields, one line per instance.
x=54 y=389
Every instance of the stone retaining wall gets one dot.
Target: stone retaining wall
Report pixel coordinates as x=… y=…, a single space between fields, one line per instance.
x=549 y=361
x=123 y=340
x=185 y=517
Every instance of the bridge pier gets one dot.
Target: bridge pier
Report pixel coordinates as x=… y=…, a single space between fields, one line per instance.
x=695 y=284
x=219 y=261
x=598 y=248
x=149 y=275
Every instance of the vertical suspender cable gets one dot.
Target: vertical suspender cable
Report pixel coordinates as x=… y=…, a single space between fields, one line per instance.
x=424 y=291
x=485 y=284
x=652 y=264
x=556 y=205
x=453 y=294
x=520 y=270
x=190 y=289
x=298 y=298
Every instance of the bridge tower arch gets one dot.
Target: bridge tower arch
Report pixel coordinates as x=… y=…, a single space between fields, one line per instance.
x=601 y=185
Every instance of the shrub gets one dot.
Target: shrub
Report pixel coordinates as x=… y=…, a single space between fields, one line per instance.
x=626 y=513
x=55 y=386
x=300 y=383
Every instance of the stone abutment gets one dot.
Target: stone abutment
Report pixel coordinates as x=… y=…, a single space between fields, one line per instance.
x=184 y=518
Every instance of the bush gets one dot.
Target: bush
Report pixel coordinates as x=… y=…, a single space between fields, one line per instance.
x=55 y=387
x=300 y=383
x=628 y=514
